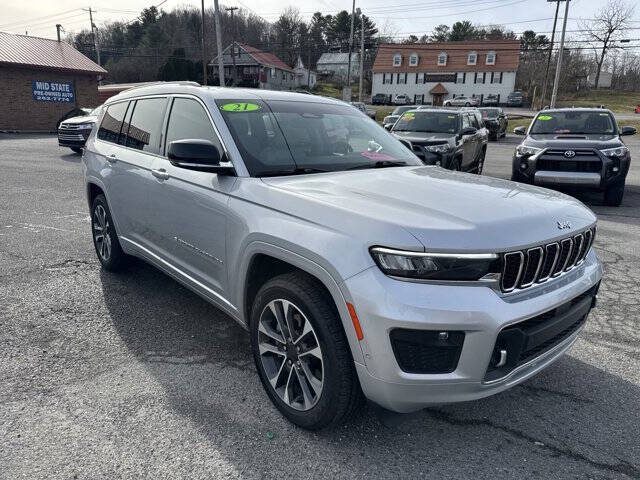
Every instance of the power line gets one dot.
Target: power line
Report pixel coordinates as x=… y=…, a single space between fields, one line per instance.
x=27 y=22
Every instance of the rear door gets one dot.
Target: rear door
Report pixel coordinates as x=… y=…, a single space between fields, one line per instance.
x=190 y=223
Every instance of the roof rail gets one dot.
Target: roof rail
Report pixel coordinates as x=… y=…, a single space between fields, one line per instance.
x=177 y=82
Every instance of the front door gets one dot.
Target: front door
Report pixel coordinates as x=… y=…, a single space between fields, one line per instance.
x=438 y=98
x=191 y=207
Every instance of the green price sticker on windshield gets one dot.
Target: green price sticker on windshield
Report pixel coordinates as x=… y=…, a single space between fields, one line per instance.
x=240 y=107
x=409 y=116
x=545 y=117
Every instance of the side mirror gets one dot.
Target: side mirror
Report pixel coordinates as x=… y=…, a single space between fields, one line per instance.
x=628 y=131
x=520 y=130
x=388 y=126
x=197 y=154
x=468 y=131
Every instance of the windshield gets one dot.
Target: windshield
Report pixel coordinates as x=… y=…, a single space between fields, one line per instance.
x=490 y=112
x=281 y=137
x=401 y=110
x=425 y=121
x=574 y=122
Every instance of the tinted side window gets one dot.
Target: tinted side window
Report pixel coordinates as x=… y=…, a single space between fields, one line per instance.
x=189 y=120
x=146 y=124
x=465 y=121
x=112 y=121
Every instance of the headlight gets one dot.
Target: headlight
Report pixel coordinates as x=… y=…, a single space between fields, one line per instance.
x=445 y=147
x=85 y=126
x=524 y=150
x=435 y=266
x=615 y=152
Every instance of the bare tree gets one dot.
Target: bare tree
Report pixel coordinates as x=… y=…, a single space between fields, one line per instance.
x=606 y=28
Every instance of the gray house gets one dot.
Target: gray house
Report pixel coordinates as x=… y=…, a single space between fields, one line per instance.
x=336 y=64
x=255 y=68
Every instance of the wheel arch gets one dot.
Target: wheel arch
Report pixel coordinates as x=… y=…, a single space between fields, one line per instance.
x=263 y=261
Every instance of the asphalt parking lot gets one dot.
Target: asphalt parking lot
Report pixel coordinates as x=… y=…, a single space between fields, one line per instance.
x=107 y=376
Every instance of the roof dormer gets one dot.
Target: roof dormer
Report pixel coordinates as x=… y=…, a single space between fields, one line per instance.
x=491 y=58
x=472 y=58
x=413 y=59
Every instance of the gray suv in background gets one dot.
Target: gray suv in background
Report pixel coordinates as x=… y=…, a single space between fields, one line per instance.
x=358 y=271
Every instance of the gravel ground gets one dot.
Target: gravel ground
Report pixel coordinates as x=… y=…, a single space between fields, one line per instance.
x=107 y=376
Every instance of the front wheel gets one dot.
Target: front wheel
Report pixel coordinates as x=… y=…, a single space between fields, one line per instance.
x=481 y=162
x=613 y=194
x=301 y=352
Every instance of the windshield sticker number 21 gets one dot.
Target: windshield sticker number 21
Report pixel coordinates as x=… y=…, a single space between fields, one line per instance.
x=240 y=107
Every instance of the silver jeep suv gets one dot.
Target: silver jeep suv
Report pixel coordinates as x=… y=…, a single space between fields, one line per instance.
x=357 y=270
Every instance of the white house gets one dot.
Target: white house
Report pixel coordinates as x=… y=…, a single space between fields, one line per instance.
x=433 y=72
x=336 y=64
x=304 y=76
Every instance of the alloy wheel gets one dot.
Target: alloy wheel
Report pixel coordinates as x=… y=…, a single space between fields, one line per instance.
x=102 y=233
x=290 y=354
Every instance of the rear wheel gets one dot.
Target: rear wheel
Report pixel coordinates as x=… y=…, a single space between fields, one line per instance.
x=105 y=238
x=467 y=104
x=613 y=194
x=301 y=352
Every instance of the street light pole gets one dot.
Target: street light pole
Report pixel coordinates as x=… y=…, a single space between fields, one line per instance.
x=204 y=53
x=233 y=43
x=558 y=66
x=361 y=56
x=546 y=72
x=216 y=12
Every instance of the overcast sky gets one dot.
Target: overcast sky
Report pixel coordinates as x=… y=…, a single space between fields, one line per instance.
x=38 y=17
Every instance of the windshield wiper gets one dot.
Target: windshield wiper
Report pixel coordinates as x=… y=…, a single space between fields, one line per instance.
x=378 y=164
x=293 y=171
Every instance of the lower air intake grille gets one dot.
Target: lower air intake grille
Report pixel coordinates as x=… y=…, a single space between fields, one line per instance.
x=426 y=351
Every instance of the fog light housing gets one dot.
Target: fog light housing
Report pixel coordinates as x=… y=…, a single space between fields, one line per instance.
x=523 y=165
x=615 y=169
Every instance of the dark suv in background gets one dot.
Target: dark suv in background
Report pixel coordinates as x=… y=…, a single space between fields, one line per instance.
x=453 y=139
x=574 y=147
x=495 y=121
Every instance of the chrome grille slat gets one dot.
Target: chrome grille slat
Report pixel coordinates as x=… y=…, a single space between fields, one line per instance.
x=549 y=261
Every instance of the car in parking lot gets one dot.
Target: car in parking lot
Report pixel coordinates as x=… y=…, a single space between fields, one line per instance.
x=363 y=108
x=490 y=100
x=452 y=139
x=495 y=120
x=390 y=119
x=381 y=99
x=357 y=270
x=73 y=132
x=515 y=99
x=576 y=147
x=461 y=101
x=401 y=99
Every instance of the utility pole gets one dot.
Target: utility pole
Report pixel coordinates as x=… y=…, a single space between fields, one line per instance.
x=309 y=68
x=361 y=56
x=554 y=94
x=204 y=52
x=58 y=28
x=216 y=12
x=546 y=72
x=353 y=14
x=94 y=31
x=233 y=43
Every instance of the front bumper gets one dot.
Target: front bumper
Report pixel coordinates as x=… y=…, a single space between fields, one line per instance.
x=384 y=304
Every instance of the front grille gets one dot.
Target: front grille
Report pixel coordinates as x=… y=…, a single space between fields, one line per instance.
x=69 y=136
x=426 y=351
x=524 y=268
x=69 y=126
x=526 y=340
x=554 y=160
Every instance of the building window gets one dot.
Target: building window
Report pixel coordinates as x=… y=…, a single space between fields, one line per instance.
x=479 y=77
x=491 y=58
x=419 y=78
x=413 y=60
x=418 y=99
x=442 y=59
x=496 y=77
x=402 y=78
x=397 y=60
x=387 y=78
x=462 y=77
x=440 y=77
x=472 y=59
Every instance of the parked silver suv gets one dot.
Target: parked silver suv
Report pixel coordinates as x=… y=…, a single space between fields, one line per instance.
x=355 y=268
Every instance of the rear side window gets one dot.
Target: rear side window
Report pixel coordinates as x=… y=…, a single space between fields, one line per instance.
x=146 y=125
x=112 y=122
x=189 y=120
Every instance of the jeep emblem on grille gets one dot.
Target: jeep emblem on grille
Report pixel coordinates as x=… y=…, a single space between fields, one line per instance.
x=564 y=225
x=569 y=154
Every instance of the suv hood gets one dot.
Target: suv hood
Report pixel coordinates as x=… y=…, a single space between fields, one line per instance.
x=82 y=119
x=443 y=210
x=425 y=137
x=575 y=141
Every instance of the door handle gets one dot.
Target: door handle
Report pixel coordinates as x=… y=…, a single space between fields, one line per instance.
x=161 y=174
x=112 y=158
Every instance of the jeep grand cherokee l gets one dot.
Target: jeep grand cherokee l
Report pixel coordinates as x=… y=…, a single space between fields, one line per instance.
x=453 y=139
x=357 y=270
x=577 y=147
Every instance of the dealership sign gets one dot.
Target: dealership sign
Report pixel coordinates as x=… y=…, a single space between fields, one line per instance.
x=53 y=91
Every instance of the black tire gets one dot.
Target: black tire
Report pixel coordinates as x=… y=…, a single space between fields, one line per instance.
x=341 y=395
x=613 y=194
x=456 y=164
x=481 y=160
x=493 y=137
x=116 y=259
x=76 y=149
x=467 y=104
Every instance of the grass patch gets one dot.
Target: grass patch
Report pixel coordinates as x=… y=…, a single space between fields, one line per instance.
x=615 y=101
x=382 y=112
